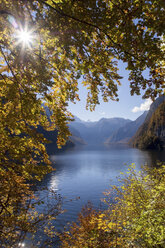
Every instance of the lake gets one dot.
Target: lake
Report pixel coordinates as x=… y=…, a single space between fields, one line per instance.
x=83 y=174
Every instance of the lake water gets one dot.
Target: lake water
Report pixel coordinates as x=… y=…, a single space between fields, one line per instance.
x=83 y=174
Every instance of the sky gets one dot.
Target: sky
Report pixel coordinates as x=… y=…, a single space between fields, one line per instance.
x=128 y=107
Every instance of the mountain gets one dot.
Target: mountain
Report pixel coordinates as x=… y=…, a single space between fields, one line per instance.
x=94 y=133
x=51 y=136
x=151 y=135
x=125 y=133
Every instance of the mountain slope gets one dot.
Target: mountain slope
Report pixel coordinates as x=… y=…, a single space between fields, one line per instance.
x=123 y=134
x=76 y=137
x=51 y=136
x=151 y=135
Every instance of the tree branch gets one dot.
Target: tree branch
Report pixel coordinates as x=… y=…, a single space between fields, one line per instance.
x=60 y=12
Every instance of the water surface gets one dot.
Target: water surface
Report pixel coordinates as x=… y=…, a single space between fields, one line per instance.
x=83 y=174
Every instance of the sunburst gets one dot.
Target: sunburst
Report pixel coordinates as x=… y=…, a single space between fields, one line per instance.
x=24 y=37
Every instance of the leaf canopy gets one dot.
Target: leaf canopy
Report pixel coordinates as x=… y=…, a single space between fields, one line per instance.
x=70 y=40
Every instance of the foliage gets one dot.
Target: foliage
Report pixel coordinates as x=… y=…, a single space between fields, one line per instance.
x=70 y=40
x=87 y=232
x=135 y=220
x=19 y=215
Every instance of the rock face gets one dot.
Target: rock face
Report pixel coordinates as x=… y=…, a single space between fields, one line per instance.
x=96 y=133
x=125 y=133
x=151 y=135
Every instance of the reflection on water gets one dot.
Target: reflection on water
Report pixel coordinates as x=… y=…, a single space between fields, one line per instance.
x=54 y=183
x=83 y=174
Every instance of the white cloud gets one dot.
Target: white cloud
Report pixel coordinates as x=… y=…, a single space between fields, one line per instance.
x=102 y=113
x=144 y=106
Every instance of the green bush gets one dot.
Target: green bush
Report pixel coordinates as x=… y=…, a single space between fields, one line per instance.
x=137 y=219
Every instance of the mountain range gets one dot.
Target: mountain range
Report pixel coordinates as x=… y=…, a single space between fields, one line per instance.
x=147 y=131
x=97 y=132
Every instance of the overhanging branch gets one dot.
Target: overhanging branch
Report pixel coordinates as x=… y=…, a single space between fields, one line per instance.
x=60 y=12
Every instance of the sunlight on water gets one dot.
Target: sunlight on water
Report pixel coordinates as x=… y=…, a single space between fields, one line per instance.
x=54 y=183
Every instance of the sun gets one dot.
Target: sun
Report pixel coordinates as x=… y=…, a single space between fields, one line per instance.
x=24 y=37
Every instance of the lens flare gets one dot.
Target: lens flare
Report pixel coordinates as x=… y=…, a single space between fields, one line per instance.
x=12 y=21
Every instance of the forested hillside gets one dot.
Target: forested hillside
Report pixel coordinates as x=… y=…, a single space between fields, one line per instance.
x=151 y=134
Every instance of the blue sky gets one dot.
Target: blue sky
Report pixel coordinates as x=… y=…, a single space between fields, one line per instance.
x=129 y=107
